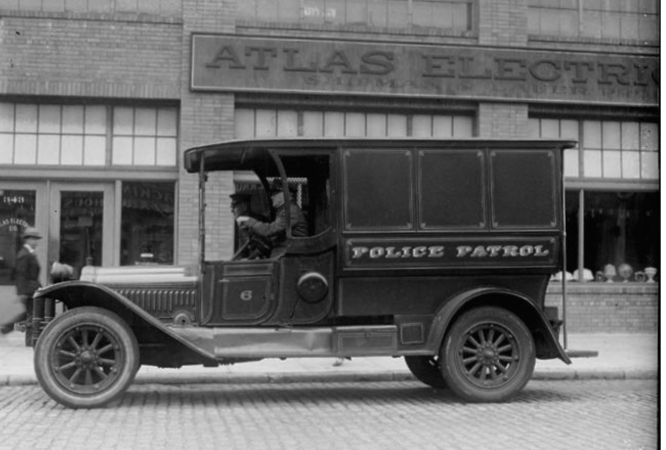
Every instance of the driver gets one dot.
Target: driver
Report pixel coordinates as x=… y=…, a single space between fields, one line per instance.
x=250 y=247
x=276 y=231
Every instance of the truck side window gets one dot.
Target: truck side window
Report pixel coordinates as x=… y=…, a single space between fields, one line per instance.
x=452 y=193
x=378 y=189
x=519 y=179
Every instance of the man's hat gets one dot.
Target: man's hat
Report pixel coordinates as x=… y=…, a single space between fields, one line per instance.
x=276 y=186
x=238 y=197
x=31 y=232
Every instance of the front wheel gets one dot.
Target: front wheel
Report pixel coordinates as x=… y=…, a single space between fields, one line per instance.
x=86 y=358
x=488 y=355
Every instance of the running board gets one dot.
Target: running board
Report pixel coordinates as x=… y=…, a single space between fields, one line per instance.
x=286 y=342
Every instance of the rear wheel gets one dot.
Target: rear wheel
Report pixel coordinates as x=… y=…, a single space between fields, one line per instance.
x=87 y=357
x=426 y=369
x=488 y=355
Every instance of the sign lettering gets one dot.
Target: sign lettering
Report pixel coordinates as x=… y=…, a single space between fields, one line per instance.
x=233 y=63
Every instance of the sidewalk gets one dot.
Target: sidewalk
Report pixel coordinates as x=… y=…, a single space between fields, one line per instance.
x=621 y=356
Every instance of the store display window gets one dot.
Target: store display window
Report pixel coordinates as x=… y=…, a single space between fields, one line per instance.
x=17 y=211
x=147 y=223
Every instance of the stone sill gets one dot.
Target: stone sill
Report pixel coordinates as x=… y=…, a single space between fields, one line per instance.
x=577 y=287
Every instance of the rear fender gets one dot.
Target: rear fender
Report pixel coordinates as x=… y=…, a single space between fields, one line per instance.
x=74 y=294
x=547 y=345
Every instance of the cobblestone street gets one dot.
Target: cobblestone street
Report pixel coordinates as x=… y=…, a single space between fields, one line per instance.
x=388 y=415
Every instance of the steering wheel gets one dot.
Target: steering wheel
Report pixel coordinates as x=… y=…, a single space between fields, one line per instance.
x=255 y=247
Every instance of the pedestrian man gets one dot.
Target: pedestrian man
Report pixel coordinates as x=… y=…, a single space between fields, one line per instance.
x=26 y=276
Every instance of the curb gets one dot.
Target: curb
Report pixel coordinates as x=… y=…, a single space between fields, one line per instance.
x=299 y=377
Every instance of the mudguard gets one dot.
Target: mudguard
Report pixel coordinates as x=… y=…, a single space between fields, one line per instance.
x=520 y=305
x=83 y=293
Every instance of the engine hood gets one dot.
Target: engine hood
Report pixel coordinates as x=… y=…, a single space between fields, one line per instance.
x=141 y=276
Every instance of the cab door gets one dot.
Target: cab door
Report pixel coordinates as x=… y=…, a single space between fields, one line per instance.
x=238 y=292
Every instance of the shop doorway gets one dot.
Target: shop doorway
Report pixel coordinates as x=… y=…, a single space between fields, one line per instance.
x=82 y=224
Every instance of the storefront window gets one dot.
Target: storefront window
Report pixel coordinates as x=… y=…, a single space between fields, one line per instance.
x=147 y=223
x=621 y=228
x=17 y=211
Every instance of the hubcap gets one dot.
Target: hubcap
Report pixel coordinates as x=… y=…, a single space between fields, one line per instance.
x=488 y=355
x=86 y=359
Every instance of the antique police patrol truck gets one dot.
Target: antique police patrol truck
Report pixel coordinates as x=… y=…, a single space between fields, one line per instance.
x=438 y=251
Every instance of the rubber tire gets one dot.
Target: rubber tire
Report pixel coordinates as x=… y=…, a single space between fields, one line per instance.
x=470 y=387
x=100 y=322
x=426 y=370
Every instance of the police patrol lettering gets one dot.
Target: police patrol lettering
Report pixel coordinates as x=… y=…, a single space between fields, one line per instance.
x=460 y=251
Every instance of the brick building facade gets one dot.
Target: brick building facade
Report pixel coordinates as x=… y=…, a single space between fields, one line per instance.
x=98 y=100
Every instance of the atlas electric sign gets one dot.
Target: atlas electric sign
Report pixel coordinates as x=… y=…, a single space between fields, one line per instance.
x=234 y=63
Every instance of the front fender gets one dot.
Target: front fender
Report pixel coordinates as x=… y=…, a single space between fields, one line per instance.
x=74 y=294
x=514 y=301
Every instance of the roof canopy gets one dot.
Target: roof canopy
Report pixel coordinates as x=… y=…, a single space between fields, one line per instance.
x=252 y=154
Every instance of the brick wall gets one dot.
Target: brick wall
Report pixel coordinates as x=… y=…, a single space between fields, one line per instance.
x=91 y=56
x=608 y=308
x=503 y=22
x=205 y=118
x=502 y=120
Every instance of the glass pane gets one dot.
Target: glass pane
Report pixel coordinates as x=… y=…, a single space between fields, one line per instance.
x=147 y=223
x=244 y=123
x=6 y=148
x=533 y=130
x=72 y=150
x=122 y=151
x=266 y=123
x=571 y=162
x=72 y=119
x=650 y=165
x=631 y=165
x=94 y=153
x=49 y=119
x=397 y=125
x=144 y=151
x=592 y=163
x=81 y=224
x=463 y=126
x=313 y=123
x=167 y=124
x=123 y=120
x=376 y=125
x=442 y=126
x=612 y=164
x=611 y=135
x=145 y=122
x=166 y=152
x=550 y=128
x=287 y=123
x=569 y=129
x=7 y=117
x=17 y=211
x=95 y=120
x=592 y=134
x=334 y=124
x=26 y=118
x=48 y=149
x=422 y=125
x=630 y=136
x=649 y=136
x=25 y=151
x=355 y=124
